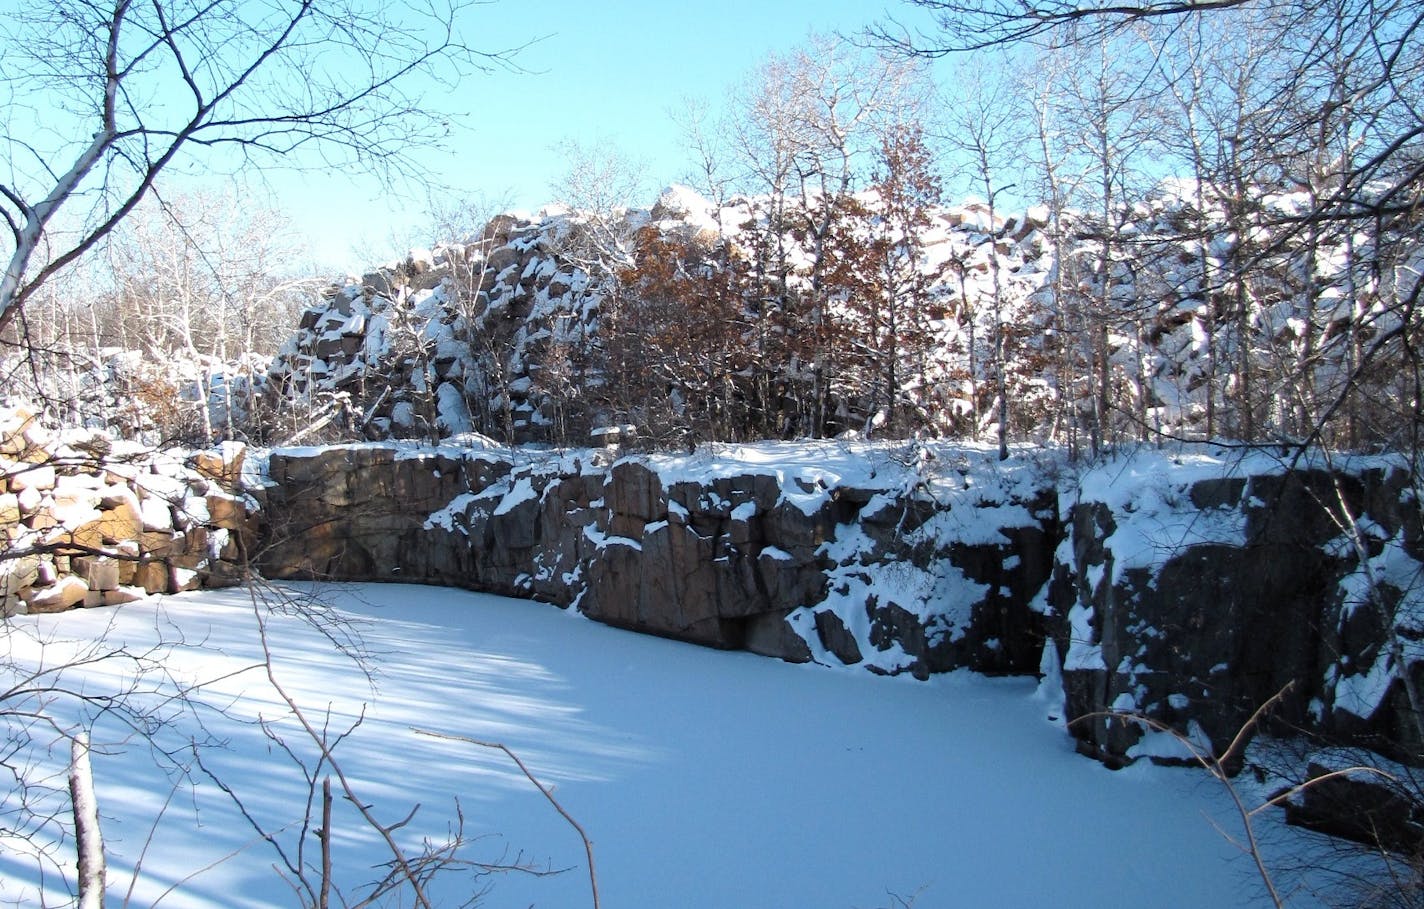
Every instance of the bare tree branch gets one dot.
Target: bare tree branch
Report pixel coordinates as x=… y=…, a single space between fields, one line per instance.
x=970 y=25
x=544 y=790
x=263 y=80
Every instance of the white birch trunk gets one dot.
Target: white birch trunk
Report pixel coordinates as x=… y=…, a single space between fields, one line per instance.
x=88 y=840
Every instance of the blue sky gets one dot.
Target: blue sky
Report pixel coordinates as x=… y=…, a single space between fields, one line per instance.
x=606 y=72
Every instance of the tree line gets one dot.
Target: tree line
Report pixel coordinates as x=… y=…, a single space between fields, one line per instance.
x=1229 y=195
x=1223 y=200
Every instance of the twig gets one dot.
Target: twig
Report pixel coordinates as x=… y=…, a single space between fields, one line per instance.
x=403 y=863
x=1215 y=765
x=587 y=844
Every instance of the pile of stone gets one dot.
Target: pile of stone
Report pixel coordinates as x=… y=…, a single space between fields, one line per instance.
x=88 y=521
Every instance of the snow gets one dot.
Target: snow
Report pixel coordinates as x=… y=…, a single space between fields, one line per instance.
x=1362 y=693
x=689 y=205
x=1085 y=653
x=704 y=778
x=453 y=414
x=1165 y=745
x=451 y=516
x=522 y=492
x=1149 y=494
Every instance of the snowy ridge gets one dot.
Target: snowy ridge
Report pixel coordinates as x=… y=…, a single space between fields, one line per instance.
x=503 y=334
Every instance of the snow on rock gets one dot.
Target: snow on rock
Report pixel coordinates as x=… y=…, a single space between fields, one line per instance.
x=89 y=519
x=1184 y=588
x=726 y=546
x=1190 y=589
x=500 y=317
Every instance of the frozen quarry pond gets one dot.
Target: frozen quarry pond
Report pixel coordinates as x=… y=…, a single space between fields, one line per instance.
x=704 y=778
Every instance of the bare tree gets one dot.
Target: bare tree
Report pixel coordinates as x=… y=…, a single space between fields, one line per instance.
x=807 y=128
x=162 y=331
x=103 y=98
x=988 y=129
x=1337 y=116
x=1055 y=183
x=601 y=184
x=711 y=172
x=203 y=280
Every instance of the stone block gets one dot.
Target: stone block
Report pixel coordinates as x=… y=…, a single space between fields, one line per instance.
x=836 y=638
x=9 y=510
x=113 y=597
x=181 y=579
x=117 y=494
x=225 y=511
x=112 y=526
x=19 y=573
x=222 y=465
x=223 y=574
x=30 y=500
x=101 y=572
x=161 y=544
x=195 y=546
x=152 y=577
x=156 y=513
x=125 y=594
x=65 y=593
x=13 y=424
x=41 y=520
x=37 y=477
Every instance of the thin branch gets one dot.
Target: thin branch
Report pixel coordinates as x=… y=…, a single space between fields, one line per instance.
x=587 y=843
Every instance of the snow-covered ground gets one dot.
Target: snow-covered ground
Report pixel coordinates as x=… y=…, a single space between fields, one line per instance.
x=705 y=779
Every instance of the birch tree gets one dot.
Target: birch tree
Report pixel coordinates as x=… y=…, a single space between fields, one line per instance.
x=987 y=129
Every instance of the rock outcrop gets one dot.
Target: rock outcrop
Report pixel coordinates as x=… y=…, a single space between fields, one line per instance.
x=86 y=521
x=1190 y=600
x=799 y=566
x=1167 y=593
x=1183 y=595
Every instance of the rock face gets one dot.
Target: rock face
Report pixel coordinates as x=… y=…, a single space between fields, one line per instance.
x=89 y=524
x=1173 y=595
x=499 y=332
x=1177 y=596
x=798 y=567
x=1193 y=602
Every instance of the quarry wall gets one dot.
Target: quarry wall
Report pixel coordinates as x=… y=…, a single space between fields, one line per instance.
x=1184 y=591
x=1187 y=593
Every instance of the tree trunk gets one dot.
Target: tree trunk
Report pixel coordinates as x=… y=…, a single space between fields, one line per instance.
x=87 y=838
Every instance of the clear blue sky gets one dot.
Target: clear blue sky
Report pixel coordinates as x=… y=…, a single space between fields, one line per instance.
x=599 y=72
